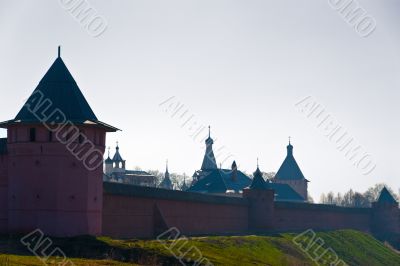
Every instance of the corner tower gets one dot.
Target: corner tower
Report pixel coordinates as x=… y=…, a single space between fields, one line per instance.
x=55 y=154
x=386 y=215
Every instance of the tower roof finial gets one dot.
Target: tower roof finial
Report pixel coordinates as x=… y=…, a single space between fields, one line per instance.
x=108 y=152
x=290 y=147
x=257 y=163
x=59 y=51
x=209 y=131
x=166 y=165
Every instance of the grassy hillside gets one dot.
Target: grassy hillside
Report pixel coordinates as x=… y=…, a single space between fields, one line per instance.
x=353 y=247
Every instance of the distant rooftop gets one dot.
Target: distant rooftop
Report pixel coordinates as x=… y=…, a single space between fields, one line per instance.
x=386 y=197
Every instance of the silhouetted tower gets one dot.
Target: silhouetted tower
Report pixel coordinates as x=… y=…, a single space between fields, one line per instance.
x=55 y=151
x=261 y=199
x=209 y=158
x=290 y=173
x=166 y=182
x=386 y=214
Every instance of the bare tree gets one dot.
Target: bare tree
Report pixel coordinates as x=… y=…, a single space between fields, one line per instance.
x=356 y=199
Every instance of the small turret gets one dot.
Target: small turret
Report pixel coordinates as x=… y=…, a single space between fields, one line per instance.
x=261 y=199
x=258 y=180
x=117 y=158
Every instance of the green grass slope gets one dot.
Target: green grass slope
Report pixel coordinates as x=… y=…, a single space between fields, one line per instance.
x=351 y=247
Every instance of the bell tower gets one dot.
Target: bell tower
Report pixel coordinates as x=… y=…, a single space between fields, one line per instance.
x=209 y=158
x=55 y=150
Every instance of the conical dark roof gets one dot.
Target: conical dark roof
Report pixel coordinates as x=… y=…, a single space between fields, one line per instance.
x=258 y=180
x=108 y=160
x=212 y=182
x=289 y=168
x=58 y=88
x=117 y=156
x=386 y=197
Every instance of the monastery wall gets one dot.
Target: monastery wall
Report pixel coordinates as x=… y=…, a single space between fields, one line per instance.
x=132 y=211
x=291 y=216
x=3 y=193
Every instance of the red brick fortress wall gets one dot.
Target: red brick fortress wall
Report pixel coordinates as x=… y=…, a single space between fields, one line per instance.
x=51 y=189
x=133 y=211
x=291 y=216
x=3 y=193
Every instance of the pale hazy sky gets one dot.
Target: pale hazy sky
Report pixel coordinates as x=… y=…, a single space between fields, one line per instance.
x=238 y=65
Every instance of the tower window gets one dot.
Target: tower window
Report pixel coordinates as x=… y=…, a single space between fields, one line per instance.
x=32 y=134
x=80 y=138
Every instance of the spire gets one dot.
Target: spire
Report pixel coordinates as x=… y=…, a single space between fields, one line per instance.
x=258 y=180
x=234 y=171
x=209 y=161
x=59 y=51
x=166 y=168
x=234 y=165
x=166 y=182
x=209 y=140
x=289 y=148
